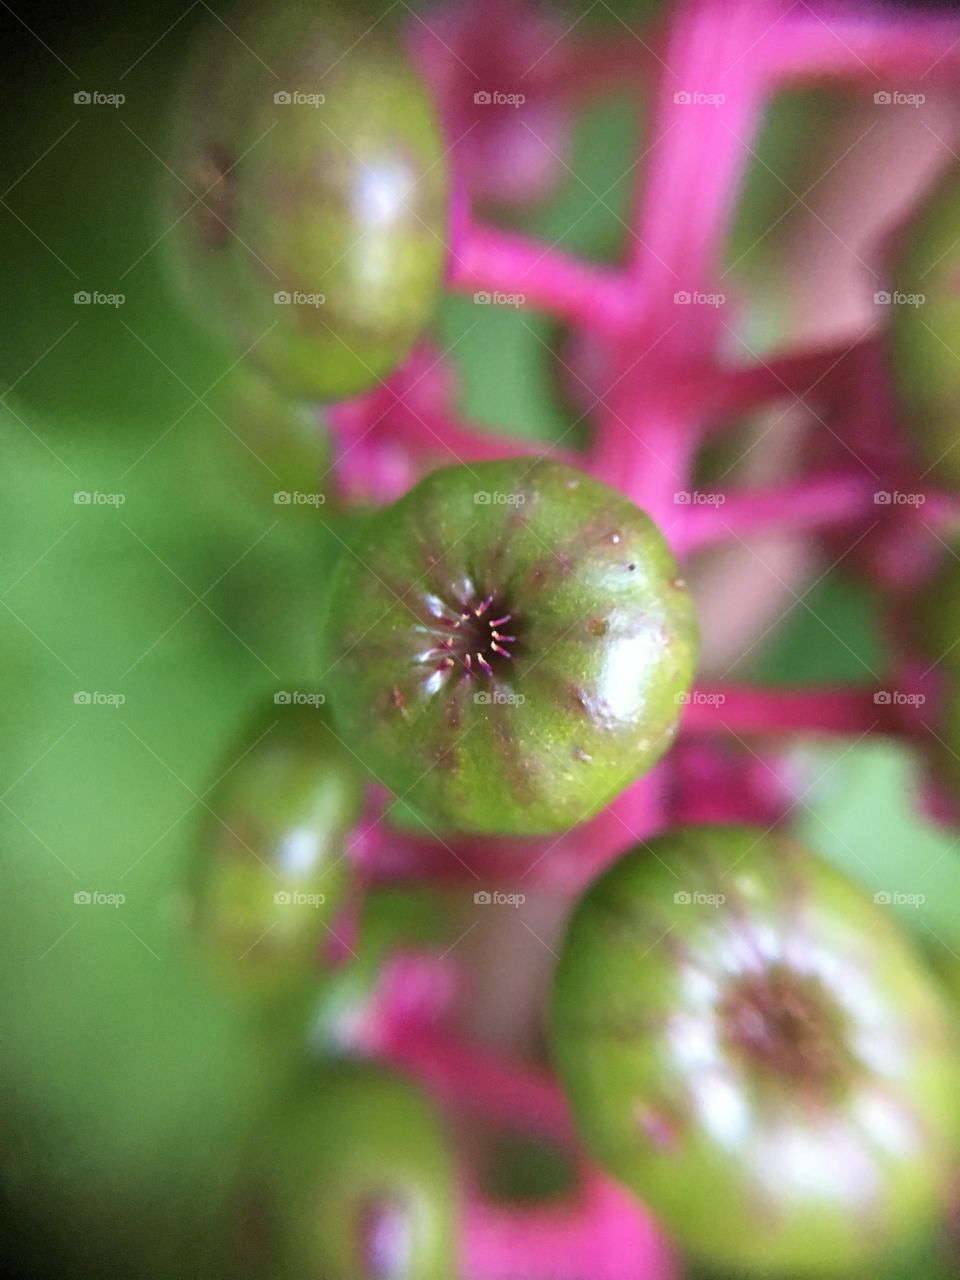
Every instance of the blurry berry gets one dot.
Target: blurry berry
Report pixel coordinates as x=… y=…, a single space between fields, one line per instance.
x=507 y=646
x=272 y=870
x=753 y=1046
x=311 y=226
x=353 y=1180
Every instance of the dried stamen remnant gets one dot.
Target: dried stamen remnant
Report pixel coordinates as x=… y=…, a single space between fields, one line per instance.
x=472 y=643
x=788 y=1025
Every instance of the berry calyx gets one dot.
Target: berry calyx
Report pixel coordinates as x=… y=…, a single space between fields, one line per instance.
x=508 y=646
x=752 y=1046
x=308 y=211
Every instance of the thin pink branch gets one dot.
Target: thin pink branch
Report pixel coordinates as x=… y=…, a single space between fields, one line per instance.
x=747 y=709
x=816 y=503
x=492 y=262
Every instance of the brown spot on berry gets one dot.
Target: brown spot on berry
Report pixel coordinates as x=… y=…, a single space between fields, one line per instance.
x=597 y=626
x=397 y=698
x=215 y=186
x=445 y=759
x=662 y=1130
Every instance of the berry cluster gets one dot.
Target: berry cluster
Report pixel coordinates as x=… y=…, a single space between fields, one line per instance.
x=745 y=1041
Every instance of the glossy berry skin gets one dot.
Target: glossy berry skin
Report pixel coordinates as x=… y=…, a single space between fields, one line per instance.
x=924 y=335
x=752 y=1046
x=343 y=201
x=271 y=871
x=352 y=1179
x=506 y=644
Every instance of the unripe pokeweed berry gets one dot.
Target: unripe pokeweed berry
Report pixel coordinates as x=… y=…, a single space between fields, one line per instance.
x=752 y=1046
x=271 y=871
x=353 y=1179
x=312 y=194
x=925 y=328
x=507 y=644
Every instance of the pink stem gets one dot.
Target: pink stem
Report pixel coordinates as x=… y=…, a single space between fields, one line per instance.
x=719 y=780
x=700 y=151
x=808 y=504
x=490 y=261
x=792 y=374
x=746 y=709
x=647 y=456
x=870 y=48
x=604 y=1234
x=470 y=1078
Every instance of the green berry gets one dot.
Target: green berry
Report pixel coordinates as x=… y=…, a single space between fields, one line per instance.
x=317 y=247
x=353 y=1180
x=507 y=646
x=753 y=1046
x=925 y=329
x=271 y=872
